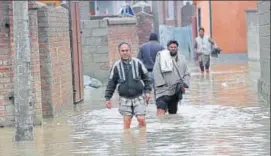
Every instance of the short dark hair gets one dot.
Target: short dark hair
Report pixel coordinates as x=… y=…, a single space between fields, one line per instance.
x=172 y=42
x=122 y=43
x=201 y=29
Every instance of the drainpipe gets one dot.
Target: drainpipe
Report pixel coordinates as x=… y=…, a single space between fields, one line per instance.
x=211 y=20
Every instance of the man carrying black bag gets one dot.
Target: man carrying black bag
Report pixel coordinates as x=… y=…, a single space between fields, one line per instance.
x=171 y=77
x=205 y=47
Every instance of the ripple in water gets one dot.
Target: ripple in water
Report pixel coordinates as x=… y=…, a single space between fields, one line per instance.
x=195 y=130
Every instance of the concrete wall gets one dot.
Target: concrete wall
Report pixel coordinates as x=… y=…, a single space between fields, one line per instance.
x=100 y=39
x=252 y=35
x=84 y=10
x=35 y=63
x=55 y=60
x=264 y=35
x=95 y=48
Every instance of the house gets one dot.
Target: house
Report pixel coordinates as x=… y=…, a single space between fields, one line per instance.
x=225 y=22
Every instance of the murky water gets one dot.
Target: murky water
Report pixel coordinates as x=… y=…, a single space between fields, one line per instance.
x=220 y=115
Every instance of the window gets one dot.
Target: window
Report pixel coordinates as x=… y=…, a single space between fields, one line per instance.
x=170 y=9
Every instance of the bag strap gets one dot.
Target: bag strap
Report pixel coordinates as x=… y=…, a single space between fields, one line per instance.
x=174 y=64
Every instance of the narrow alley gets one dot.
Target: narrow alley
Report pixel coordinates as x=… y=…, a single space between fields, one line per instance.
x=56 y=58
x=220 y=115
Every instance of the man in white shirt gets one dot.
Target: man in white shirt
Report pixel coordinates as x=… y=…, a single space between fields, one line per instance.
x=203 y=47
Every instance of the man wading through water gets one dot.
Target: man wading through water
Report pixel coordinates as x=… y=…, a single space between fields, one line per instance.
x=133 y=82
x=147 y=54
x=171 y=76
x=203 y=47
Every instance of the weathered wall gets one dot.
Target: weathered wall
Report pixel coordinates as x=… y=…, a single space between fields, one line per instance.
x=162 y=7
x=252 y=35
x=144 y=22
x=35 y=63
x=84 y=10
x=187 y=13
x=144 y=26
x=264 y=35
x=95 y=48
x=55 y=59
x=7 y=64
x=119 y=30
x=100 y=39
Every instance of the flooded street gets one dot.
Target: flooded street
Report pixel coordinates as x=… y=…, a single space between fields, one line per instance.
x=221 y=115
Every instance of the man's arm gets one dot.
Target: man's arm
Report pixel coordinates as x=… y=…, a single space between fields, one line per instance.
x=112 y=83
x=157 y=73
x=145 y=77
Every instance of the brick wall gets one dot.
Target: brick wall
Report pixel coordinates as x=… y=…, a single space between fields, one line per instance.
x=5 y=80
x=144 y=26
x=119 y=30
x=55 y=59
x=7 y=64
x=264 y=36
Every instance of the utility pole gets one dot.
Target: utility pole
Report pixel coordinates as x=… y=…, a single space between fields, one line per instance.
x=155 y=17
x=22 y=81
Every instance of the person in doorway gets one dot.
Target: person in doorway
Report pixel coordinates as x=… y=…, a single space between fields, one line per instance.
x=203 y=47
x=171 y=77
x=131 y=77
x=147 y=54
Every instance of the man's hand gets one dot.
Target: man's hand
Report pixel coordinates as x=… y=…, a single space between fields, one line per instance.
x=108 y=104
x=147 y=97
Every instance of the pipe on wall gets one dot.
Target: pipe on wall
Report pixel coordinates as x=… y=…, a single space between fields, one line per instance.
x=211 y=19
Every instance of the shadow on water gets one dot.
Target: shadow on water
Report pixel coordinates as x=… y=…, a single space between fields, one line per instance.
x=221 y=114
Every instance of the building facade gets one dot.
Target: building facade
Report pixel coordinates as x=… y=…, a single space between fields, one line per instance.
x=226 y=26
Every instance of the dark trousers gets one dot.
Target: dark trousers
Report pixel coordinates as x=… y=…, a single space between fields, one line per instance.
x=168 y=103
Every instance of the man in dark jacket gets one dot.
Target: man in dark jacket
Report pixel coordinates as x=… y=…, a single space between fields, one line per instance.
x=131 y=77
x=147 y=53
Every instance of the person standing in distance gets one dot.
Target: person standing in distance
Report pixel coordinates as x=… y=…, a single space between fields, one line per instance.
x=203 y=47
